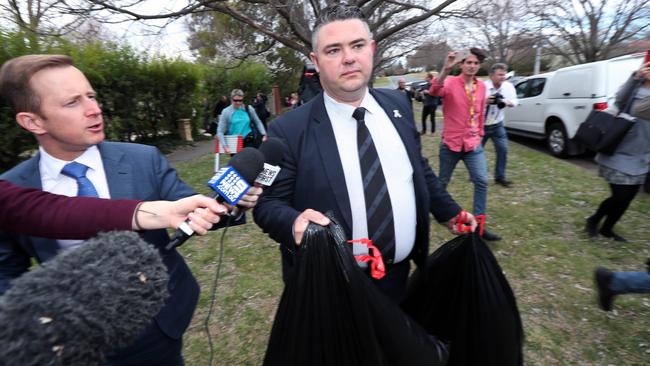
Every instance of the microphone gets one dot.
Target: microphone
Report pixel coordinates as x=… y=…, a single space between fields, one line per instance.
x=273 y=150
x=230 y=183
x=83 y=303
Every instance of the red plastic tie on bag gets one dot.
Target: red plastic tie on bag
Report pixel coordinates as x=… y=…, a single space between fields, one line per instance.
x=481 y=223
x=463 y=225
x=374 y=259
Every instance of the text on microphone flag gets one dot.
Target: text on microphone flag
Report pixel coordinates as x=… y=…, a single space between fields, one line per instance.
x=268 y=175
x=229 y=184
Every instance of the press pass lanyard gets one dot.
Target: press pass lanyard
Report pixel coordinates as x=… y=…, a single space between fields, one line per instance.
x=471 y=97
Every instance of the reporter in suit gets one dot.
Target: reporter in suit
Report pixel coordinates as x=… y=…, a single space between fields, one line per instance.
x=322 y=169
x=55 y=102
x=35 y=212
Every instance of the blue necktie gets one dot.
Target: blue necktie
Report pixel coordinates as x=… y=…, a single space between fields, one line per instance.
x=85 y=187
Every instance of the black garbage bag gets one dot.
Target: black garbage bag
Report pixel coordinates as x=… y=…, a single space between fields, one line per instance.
x=331 y=313
x=465 y=299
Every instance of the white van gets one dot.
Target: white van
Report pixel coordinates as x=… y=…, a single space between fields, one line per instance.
x=553 y=105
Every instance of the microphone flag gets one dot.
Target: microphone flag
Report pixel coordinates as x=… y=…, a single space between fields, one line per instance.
x=229 y=184
x=268 y=175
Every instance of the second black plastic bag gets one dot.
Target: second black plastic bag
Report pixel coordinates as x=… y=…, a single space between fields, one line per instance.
x=330 y=313
x=465 y=299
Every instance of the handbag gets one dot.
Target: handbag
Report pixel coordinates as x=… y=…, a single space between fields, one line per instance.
x=603 y=131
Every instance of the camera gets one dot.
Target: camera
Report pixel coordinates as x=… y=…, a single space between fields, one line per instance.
x=498 y=100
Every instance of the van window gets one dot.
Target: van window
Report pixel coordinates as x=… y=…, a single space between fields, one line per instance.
x=521 y=89
x=536 y=87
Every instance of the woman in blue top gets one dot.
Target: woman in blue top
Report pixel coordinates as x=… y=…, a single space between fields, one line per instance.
x=236 y=120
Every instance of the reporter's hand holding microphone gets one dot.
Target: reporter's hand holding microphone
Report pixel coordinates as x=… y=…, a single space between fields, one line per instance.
x=202 y=213
x=231 y=183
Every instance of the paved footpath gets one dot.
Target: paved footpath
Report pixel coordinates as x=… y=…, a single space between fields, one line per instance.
x=190 y=152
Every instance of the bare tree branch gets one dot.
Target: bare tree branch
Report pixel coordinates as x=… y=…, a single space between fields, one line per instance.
x=414 y=20
x=289 y=21
x=590 y=30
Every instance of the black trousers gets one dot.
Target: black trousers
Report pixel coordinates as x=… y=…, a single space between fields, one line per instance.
x=615 y=206
x=429 y=110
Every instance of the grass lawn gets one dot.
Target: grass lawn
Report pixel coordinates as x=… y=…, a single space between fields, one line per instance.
x=545 y=255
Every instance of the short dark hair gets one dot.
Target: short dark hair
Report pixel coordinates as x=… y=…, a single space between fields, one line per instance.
x=334 y=13
x=498 y=66
x=479 y=53
x=15 y=76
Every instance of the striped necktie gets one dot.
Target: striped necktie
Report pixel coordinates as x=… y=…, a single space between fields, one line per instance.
x=379 y=211
x=85 y=187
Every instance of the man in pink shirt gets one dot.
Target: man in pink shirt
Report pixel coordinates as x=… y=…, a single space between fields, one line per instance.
x=464 y=103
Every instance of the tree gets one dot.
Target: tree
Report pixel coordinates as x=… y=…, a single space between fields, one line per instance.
x=396 y=25
x=220 y=41
x=37 y=19
x=431 y=56
x=501 y=29
x=582 y=31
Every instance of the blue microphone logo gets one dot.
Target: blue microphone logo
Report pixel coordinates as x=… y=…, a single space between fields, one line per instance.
x=229 y=184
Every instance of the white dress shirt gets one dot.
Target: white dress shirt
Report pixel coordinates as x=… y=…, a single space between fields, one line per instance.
x=395 y=163
x=53 y=181
x=495 y=115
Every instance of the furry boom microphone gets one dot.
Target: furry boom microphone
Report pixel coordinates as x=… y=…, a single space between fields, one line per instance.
x=83 y=303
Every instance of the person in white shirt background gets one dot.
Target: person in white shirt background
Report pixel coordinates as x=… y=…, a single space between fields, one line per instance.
x=501 y=94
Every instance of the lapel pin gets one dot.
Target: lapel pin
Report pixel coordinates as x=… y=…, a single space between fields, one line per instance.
x=396 y=114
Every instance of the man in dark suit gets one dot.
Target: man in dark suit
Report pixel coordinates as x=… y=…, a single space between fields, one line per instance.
x=354 y=151
x=54 y=101
x=408 y=93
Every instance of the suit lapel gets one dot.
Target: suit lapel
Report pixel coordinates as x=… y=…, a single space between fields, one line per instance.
x=31 y=174
x=119 y=175
x=323 y=134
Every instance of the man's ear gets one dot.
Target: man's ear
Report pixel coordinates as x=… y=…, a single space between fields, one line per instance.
x=31 y=122
x=314 y=60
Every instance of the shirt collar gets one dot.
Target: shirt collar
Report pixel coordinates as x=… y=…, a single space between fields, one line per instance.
x=490 y=84
x=51 y=166
x=342 y=109
x=460 y=79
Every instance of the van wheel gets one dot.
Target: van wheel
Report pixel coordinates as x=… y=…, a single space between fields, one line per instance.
x=557 y=141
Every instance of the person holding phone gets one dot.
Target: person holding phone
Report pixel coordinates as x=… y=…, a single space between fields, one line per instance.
x=626 y=169
x=463 y=127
